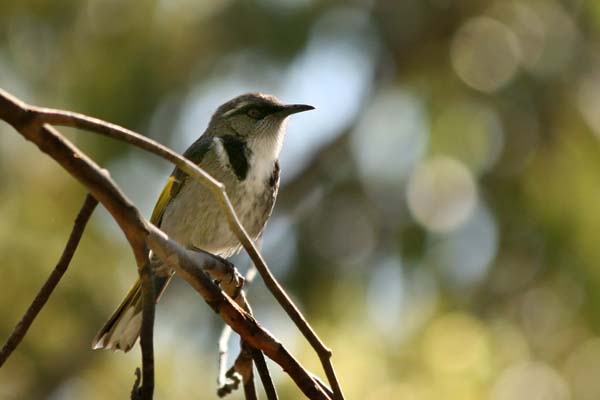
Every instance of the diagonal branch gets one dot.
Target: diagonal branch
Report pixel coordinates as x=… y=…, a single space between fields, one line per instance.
x=30 y=123
x=66 y=118
x=147 y=330
x=81 y=167
x=247 y=372
x=88 y=173
x=225 y=386
x=180 y=260
x=250 y=387
x=43 y=295
x=263 y=372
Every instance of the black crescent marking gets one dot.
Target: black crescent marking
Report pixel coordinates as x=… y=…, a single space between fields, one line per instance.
x=237 y=151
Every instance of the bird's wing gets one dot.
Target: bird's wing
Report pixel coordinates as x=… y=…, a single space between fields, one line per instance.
x=169 y=191
x=194 y=153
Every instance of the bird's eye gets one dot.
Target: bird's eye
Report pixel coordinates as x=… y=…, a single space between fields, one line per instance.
x=255 y=113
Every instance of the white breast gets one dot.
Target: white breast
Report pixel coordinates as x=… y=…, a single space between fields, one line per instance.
x=264 y=148
x=195 y=218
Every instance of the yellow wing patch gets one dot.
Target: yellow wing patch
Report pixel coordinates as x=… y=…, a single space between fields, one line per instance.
x=195 y=153
x=169 y=191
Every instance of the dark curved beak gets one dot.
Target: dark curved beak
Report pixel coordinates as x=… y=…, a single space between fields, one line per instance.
x=295 y=108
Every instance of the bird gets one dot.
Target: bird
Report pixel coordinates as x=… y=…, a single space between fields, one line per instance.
x=240 y=148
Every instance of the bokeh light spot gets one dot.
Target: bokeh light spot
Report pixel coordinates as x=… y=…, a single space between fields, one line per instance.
x=545 y=316
x=470 y=132
x=528 y=27
x=341 y=52
x=588 y=100
x=348 y=237
x=456 y=343
x=560 y=41
x=453 y=253
x=530 y=381
x=484 y=54
x=441 y=194
x=391 y=137
x=583 y=370
x=385 y=295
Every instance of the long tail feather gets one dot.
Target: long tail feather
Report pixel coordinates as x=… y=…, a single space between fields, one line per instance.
x=122 y=329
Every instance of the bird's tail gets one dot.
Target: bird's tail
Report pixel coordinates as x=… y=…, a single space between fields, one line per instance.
x=122 y=329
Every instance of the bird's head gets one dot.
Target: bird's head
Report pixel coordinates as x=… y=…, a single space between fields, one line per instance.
x=254 y=116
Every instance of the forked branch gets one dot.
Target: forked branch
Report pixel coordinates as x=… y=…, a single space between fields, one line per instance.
x=32 y=123
x=66 y=118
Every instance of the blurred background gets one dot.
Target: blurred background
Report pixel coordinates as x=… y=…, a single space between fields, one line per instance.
x=438 y=218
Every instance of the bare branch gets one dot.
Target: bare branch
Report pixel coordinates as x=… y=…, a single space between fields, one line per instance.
x=147 y=330
x=225 y=386
x=250 y=388
x=81 y=167
x=240 y=321
x=58 y=117
x=323 y=386
x=32 y=124
x=263 y=372
x=244 y=366
x=85 y=171
x=59 y=270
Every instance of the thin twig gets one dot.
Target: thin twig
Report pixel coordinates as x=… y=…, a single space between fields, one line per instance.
x=263 y=372
x=225 y=335
x=30 y=123
x=82 y=168
x=240 y=321
x=32 y=126
x=41 y=298
x=250 y=388
x=247 y=372
x=59 y=117
x=325 y=388
x=147 y=330
x=230 y=281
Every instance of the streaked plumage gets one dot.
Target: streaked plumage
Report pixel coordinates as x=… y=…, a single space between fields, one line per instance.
x=240 y=148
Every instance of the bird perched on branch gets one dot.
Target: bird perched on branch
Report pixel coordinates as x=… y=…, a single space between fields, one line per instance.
x=240 y=148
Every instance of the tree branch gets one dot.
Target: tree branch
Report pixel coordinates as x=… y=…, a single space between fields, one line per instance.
x=250 y=387
x=240 y=321
x=43 y=295
x=263 y=372
x=80 y=166
x=147 y=330
x=66 y=118
x=32 y=124
x=257 y=356
x=247 y=371
x=86 y=171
